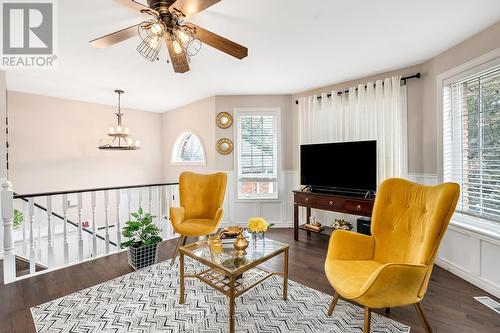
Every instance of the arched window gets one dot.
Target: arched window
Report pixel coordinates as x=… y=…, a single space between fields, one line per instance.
x=188 y=149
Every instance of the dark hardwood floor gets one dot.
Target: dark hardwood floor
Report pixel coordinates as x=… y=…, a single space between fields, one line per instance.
x=449 y=304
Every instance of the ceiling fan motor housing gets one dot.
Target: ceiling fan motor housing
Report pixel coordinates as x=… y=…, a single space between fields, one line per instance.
x=161 y=6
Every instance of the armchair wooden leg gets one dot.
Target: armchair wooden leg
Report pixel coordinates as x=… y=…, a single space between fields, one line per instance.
x=334 y=303
x=181 y=240
x=368 y=318
x=387 y=311
x=421 y=314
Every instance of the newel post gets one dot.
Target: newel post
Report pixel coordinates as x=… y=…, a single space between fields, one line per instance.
x=9 y=256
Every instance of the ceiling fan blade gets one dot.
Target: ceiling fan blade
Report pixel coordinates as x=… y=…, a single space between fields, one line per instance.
x=187 y=8
x=115 y=37
x=132 y=4
x=219 y=42
x=179 y=62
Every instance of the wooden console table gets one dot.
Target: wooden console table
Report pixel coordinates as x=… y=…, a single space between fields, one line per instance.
x=329 y=202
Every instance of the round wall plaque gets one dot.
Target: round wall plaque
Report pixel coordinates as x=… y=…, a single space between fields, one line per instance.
x=224 y=146
x=224 y=120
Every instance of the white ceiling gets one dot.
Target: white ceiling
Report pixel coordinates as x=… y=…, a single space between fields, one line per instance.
x=293 y=46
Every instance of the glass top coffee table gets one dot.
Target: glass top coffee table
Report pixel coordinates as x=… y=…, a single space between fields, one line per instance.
x=232 y=275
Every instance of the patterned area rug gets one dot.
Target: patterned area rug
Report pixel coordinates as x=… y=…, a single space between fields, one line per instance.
x=148 y=301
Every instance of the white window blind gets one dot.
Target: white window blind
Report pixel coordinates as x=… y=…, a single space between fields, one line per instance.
x=257 y=155
x=188 y=149
x=471 y=142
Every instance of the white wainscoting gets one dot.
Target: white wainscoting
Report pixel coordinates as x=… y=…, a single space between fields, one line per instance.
x=278 y=211
x=469 y=254
x=467 y=251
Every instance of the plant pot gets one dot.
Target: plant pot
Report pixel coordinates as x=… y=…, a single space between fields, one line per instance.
x=140 y=257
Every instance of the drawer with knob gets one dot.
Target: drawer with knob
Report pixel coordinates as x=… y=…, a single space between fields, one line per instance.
x=356 y=207
x=305 y=200
x=330 y=203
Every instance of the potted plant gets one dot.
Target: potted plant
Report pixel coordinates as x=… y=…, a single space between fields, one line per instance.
x=142 y=240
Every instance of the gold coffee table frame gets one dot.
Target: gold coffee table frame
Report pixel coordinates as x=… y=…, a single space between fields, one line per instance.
x=226 y=280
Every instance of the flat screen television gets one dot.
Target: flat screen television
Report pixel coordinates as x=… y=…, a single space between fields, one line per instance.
x=343 y=166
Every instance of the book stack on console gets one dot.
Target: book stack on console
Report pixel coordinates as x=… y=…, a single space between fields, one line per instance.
x=314 y=227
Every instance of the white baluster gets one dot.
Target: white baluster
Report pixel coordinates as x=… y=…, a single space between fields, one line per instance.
x=39 y=237
x=129 y=202
x=118 y=224
x=150 y=200
x=50 y=242
x=168 y=204
x=9 y=254
x=80 y=227
x=106 y=220
x=25 y=229
x=94 y=228
x=140 y=197
x=159 y=217
x=65 y=228
x=31 y=213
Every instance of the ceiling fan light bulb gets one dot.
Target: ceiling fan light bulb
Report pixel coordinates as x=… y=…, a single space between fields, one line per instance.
x=183 y=37
x=111 y=130
x=119 y=129
x=156 y=29
x=137 y=143
x=177 y=47
x=127 y=130
x=153 y=43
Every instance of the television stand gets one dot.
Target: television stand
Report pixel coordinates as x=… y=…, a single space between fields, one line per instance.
x=333 y=202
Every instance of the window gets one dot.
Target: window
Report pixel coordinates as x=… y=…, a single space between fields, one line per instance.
x=257 y=154
x=471 y=141
x=188 y=150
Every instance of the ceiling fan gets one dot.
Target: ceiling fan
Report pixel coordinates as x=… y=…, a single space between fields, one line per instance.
x=183 y=39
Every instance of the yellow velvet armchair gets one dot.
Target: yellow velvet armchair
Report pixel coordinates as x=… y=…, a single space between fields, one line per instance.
x=201 y=199
x=393 y=266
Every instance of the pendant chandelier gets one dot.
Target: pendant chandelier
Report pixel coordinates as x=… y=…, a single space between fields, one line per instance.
x=118 y=138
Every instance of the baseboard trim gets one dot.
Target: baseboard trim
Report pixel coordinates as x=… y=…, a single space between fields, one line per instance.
x=469 y=277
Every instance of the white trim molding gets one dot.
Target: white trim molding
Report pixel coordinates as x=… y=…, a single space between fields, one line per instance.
x=277 y=211
x=470 y=247
x=488 y=59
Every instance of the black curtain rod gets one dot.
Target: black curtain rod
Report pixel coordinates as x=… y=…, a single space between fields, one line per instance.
x=404 y=79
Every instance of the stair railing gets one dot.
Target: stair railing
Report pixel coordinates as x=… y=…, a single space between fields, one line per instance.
x=105 y=208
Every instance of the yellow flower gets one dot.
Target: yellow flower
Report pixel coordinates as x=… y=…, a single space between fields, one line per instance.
x=257 y=224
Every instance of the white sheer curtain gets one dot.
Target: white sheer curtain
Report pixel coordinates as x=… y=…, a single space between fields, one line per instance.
x=375 y=113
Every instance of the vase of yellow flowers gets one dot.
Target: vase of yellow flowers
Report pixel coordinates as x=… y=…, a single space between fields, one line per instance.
x=258 y=226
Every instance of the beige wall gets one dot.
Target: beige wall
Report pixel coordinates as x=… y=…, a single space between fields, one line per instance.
x=473 y=47
x=415 y=116
x=228 y=103
x=199 y=117
x=53 y=145
x=423 y=130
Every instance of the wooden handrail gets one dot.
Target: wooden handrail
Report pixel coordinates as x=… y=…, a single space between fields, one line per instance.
x=34 y=195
